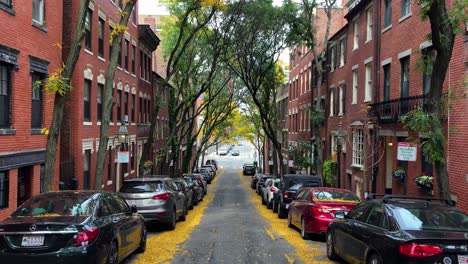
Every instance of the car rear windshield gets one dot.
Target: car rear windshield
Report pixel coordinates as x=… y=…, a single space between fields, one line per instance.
x=295 y=184
x=335 y=196
x=248 y=167
x=431 y=218
x=141 y=187
x=68 y=204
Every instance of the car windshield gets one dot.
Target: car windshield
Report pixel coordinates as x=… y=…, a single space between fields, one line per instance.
x=335 y=196
x=141 y=187
x=67 y=204
x=296 y=184
x=431 y=218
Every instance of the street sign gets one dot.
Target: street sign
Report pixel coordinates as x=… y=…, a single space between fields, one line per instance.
x=407 y=151
x=123 y=156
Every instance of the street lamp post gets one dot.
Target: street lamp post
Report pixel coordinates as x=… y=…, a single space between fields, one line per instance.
x=339 y=147
x=122 y=136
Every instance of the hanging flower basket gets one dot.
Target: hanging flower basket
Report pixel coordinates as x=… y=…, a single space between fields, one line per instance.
x=424 y=182
x=400 y=174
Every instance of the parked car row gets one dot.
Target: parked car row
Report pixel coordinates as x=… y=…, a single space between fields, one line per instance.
x=393 y=229
x=99 y=226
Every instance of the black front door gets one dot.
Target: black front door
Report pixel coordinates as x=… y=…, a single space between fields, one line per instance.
x=24 y=184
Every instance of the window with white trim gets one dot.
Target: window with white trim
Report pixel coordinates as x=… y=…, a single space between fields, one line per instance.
x=88 y=29
x=388 y=13
x=5 y=95
x=332 y=105
x=38 y=12
x=355 y=86
x=405 y=8
x=87 y=100
x=341 y=101
x=369 y=24
x=368 y=89
x=332 y=66
x=356 y=35
x=358 y=147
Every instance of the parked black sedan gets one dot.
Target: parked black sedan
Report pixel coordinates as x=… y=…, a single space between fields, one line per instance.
x=72 y=227
x=400 y=229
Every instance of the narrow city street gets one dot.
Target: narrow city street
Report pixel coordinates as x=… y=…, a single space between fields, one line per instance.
x=234 y=228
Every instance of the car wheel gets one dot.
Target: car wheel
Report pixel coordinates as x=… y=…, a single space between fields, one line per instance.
x=275 y=207
x=192 y=204
x=304 y=234
x=280 y=211
x=374 y=259
x=331 y=247
x=184 y=213
x=172 y=224
x=113 y=256
x=269 y=205
x=289 y=220
x=263 y=200
x=142 y=246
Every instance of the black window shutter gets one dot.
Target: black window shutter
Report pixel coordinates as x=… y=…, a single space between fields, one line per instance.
x=344 y=97
x=345 y=47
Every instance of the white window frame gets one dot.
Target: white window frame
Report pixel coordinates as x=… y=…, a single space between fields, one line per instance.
x=355 y=35
x=369 y=24
x=332 y=103
x=39 y=20
x=332 y=65
x=358 y=147
x=340 y=102
x=355 y=85
x=368 y=86
x=342 y=53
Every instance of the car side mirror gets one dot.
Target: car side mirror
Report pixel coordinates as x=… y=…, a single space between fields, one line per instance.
x=134 y=209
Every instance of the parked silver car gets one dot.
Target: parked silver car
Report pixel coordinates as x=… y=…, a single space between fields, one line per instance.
x=271 y=186
x=157 y=199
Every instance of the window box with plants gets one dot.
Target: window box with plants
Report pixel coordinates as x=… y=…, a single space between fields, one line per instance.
x=424 y=182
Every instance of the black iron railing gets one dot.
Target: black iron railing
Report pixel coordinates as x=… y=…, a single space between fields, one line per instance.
x=390 y=111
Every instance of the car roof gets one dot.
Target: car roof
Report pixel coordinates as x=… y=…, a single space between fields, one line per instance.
x=147 y=179
x=407 y=201
x=327 y=189
x=301 y=176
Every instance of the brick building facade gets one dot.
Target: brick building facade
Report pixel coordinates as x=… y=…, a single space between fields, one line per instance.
x=132 y=95
x=372 y=80
x=28 y=54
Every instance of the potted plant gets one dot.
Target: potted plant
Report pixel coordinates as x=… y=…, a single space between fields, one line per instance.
x=400 y=174
x=424 y=182
x=147 y=166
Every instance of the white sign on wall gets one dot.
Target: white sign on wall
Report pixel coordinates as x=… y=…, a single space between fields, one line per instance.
x=407 y=151
x=123 y=156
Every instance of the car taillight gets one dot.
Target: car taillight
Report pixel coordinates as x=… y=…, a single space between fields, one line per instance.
x=285 y=195
x=419 y=250
x=272 y=189
x=86 y=237
x=162 y=196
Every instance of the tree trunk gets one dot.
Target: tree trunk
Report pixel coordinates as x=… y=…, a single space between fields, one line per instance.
x=59 y=103
x=443 y=39
x=107 y=98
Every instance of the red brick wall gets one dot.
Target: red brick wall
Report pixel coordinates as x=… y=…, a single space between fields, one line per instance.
x=20 y=34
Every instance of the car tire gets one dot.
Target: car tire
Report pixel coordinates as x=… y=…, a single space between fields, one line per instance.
x=269 y=205
x=275 y=207
x=184 y=213
x=331 y=247
x=173 y=223
x=113 y=256
x=374 y=259
x=263 y=200
x=192 y=204
x=290 y=225
x=142 y=246
x=304 y=234
x=280 y=211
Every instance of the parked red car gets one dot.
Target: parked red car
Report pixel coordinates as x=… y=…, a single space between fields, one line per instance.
x=315 y=207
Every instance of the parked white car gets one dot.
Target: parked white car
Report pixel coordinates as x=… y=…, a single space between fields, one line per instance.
x=271 y=186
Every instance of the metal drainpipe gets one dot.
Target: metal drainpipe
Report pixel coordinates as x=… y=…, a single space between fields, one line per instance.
x=377 y=34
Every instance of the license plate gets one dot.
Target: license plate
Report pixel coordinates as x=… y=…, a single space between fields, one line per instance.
x=32 y=241
x=462 y=259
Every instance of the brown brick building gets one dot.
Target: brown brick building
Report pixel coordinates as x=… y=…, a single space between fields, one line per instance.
x=132 y=93
x=27 y=54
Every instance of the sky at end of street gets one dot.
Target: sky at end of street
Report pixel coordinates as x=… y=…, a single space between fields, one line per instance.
x=153 y=7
